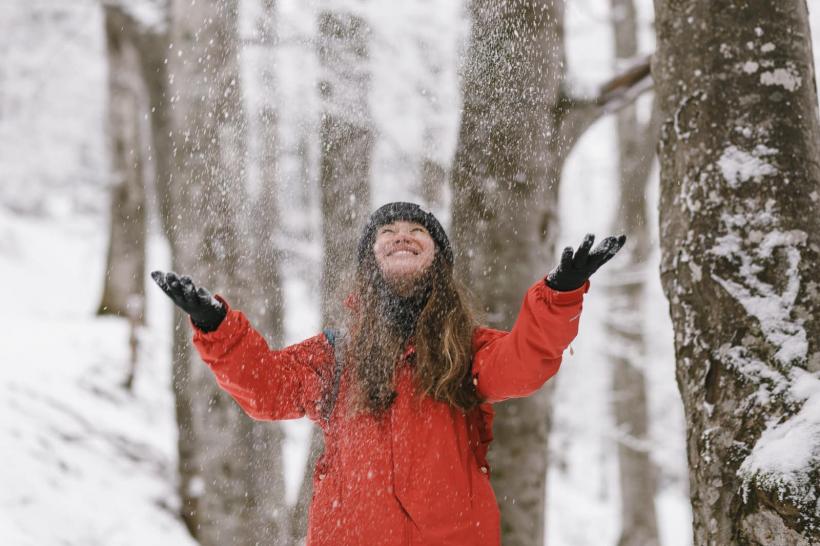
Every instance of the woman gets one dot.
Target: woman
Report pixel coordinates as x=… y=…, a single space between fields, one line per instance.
x=403 y=394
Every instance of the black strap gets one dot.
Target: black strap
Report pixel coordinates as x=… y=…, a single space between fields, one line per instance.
x=336 y=338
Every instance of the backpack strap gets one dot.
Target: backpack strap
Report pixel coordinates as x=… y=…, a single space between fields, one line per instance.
x=337 y=340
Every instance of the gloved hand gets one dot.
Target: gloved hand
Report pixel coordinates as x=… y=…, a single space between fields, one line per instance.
x=206 y=312
x=573 y=271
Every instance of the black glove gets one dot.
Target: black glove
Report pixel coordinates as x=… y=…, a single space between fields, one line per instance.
x=573 y=272
x=206 y=312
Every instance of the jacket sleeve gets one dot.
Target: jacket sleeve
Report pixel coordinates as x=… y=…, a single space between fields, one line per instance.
x=267 y=384
x=517 y=363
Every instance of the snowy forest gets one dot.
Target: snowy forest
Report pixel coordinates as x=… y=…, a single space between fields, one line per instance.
x=246 y=142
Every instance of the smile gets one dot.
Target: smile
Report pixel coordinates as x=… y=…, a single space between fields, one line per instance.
x=403 y=252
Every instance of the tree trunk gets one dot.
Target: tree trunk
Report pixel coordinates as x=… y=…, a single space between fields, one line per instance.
x=231 y=484
x=263 y=225
x=505 y=201
x=434 y=160
x=740 y=238
x=124 y=284
x=154 y=48
x=433 y=172
x=624 y=322
x=346 y=144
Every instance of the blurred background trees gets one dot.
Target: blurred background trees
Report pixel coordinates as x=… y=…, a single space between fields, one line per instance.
x=255 y=136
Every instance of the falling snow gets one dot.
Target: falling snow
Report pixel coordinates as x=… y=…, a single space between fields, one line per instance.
x=79 y=452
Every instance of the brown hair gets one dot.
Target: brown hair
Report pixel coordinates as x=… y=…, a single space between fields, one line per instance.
x=442 y=339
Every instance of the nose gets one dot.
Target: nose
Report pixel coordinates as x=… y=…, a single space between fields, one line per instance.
x=403 y=238
x=401 y=234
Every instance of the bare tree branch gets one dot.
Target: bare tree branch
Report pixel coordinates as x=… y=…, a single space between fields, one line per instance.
x=574 y=115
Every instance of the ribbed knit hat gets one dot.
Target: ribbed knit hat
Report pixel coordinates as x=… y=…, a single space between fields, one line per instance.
x=409 y=212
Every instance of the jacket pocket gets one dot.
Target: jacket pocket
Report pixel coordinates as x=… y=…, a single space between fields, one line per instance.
x=324 y=511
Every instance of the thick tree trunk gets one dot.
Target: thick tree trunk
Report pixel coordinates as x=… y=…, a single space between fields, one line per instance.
x=624 y=323
x=740 y=237
x=124 y=284
x=346 y=144
x=505 y=199
x=231 y=484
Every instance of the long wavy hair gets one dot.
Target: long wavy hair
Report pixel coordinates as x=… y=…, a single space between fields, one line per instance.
x=442 y=339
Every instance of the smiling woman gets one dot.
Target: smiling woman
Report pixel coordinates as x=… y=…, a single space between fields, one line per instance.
x=404 y=250
x=404 y=394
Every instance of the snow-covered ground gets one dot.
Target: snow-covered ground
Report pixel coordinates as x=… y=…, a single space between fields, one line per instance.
x=86 y=462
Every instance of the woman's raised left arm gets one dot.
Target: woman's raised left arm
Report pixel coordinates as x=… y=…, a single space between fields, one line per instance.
x=517 y=363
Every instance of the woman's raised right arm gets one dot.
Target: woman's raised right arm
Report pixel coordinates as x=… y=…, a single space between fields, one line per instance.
x=267 y=384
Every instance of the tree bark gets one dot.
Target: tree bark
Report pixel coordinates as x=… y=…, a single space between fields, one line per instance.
x=231 y=484
x=505 y=204
x=346 y=142
x=124 y=283
x=740 y=242
x=624 y=322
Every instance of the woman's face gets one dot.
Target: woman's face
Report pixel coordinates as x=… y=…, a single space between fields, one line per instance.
x=404 y=250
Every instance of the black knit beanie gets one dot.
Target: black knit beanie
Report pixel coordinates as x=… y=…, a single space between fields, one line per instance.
x=409 y=212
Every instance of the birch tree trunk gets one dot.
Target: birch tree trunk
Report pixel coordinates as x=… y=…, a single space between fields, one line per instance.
x=124 y=283
x=346 y=144
x=624 y=322
x=231 y=482
x=505 y=200
x=740 y=237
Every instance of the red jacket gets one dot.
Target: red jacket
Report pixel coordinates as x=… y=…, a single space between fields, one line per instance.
x=418 y=476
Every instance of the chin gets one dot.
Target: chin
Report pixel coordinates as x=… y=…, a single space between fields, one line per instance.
x=402 y=278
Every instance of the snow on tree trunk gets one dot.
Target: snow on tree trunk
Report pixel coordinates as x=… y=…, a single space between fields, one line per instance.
x=124 y=286
x=505 y=181
x=740 y=237
x=625 y=339
x=232 y=488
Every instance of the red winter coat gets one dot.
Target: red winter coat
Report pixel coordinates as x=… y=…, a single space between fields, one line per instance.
x=419 y=475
